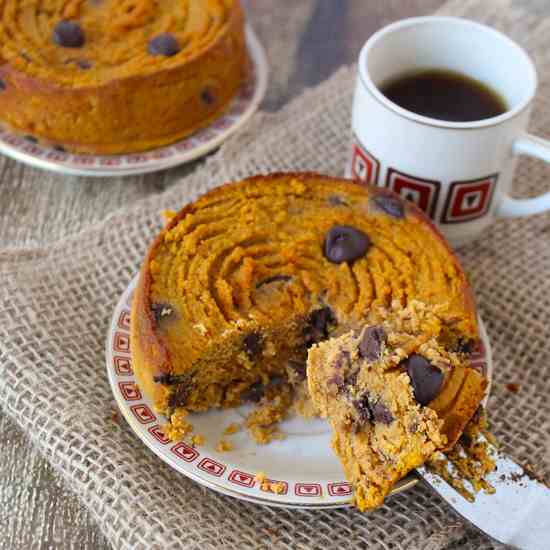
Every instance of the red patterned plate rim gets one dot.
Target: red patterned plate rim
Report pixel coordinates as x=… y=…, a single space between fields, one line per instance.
x=233 y=473
x=244 y=105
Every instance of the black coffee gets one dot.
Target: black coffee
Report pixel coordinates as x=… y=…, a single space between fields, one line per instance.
x=445 y=95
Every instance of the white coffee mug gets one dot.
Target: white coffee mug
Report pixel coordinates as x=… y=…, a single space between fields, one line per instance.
x=459 y=173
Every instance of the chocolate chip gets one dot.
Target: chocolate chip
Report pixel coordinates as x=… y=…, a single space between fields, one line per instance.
x=465 y=346
x=68 y=34
x=426 y=379
x=318 y=324
x=31 y=139
x=372 y=412
x=298 y=367
x=466 y=440
x=276 y=381
x=344 y=378
x=2 y=85
x=84 y=64
x=161 y=311
x=172 y=379
x=253 y=393
x=371 y=342
x=273 y=279
x=164 y=44
x=363 y=407
x=178 y=397
x=351 y=378
x=208 y=97
x=343 y=360
x=253 y=344
x=162 y=378
x=392 y=206
x=81 y=63
x=344 y=243
x=336 y=200
x=382 y=414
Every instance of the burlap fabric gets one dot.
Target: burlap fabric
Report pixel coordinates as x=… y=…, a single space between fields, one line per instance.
x=55 y=306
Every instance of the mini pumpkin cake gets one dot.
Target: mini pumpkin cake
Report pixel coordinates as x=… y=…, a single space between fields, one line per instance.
x=394 y=396
x=116 y=76
x=241 y=283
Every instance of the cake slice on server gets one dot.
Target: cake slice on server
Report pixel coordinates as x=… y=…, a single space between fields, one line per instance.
x=394 y=396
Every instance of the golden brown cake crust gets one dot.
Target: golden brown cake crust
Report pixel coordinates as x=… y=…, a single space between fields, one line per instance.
x=140 y=105
x=151 y=354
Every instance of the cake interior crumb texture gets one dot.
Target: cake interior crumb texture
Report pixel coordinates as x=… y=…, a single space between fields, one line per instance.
x=390 y=394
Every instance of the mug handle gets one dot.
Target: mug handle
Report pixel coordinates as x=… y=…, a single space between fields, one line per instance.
x=531 y=146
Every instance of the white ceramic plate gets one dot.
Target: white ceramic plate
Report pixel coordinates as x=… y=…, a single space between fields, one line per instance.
x=303 y=462
x=197 y=145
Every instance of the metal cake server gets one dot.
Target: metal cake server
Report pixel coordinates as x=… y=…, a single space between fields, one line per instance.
x=517 y=514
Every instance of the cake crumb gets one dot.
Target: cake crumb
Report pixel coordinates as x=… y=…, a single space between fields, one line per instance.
x=512 y=387
x=224 y=446
x=263 y=435
x=277 y=487
x=470 y=459
x=262 y=422
x=178 y=427
x=260 y=477
x=197 y=440
x=233 y=428
x=201 y=329
x=269 y=486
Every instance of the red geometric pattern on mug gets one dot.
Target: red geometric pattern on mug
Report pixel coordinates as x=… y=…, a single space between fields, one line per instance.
x=469 y=200
x=123 y=366
x=364 y=166
x=143 y=413
x=122 y=342
x=339 y=489
x=423 y=192
x=129 y=391
x=308 y=490
x=242 y=478
x=124 y=320
x=211 y=467
x=185 y=452
x=158 y=434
